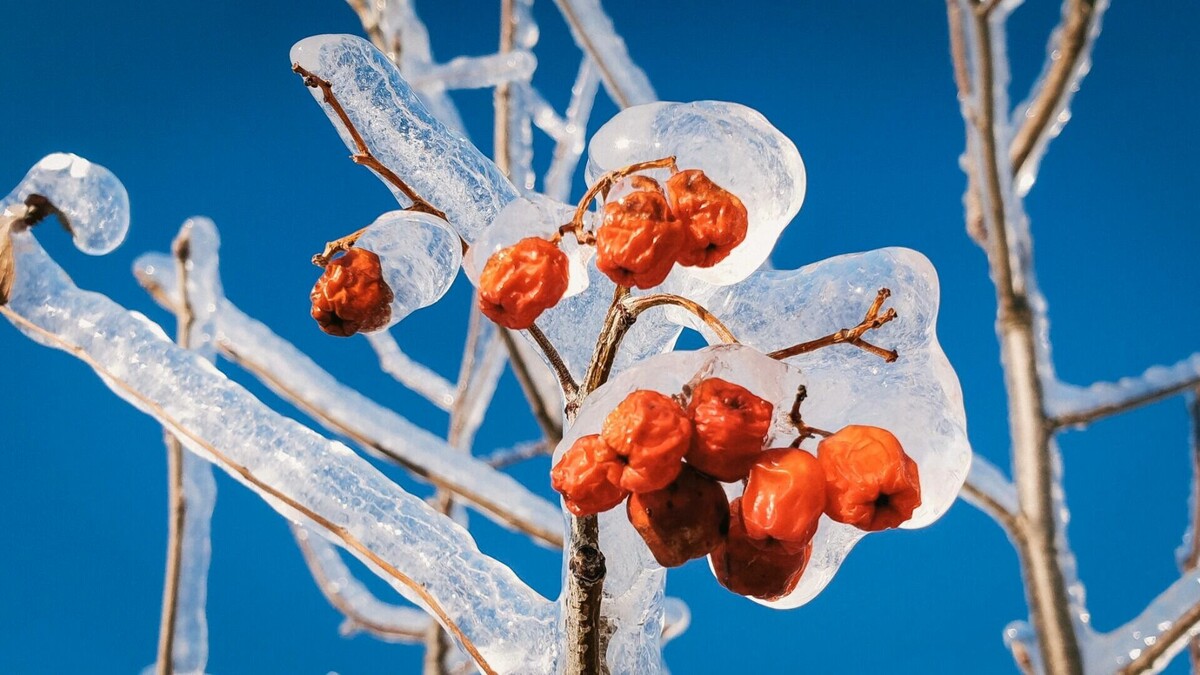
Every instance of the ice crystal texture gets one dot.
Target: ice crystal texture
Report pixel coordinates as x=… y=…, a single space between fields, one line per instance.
x=419 y=254
x=92 y=199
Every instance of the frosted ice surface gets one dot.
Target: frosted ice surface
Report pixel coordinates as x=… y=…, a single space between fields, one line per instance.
x=477 y=72
x=676 y=618
x=291 y=373
x=735 y=146
x=91 y=197
x=1109 y=652
x=570 y=145
x=412 y=374
x=593 y=31
x=300 y=469
x=419 y=254
x=441 y=166
x=399 y=23
x=1064 y=399
x=988 y=479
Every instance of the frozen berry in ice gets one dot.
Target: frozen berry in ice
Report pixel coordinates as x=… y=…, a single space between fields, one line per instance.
x=871 y=483
x=652 y=433
x=351 y=295
x=731 y=425
x=687 y=519
x=714 y=220
x=586 y=476
x=521 y=281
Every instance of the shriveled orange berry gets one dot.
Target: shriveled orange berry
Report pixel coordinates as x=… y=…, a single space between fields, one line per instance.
x=351 y=295
x=638 y=241
x=652 y=432
x=784 y=496
x=714 y=220
x=766 y=569
x=520 y=282
x=731 y=428
x=871 y=483
x=685 y=520
x=586 y=476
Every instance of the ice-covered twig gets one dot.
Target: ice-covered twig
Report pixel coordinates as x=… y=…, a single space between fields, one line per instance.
x=413 y=375
x=1189 y=553
x=992 y=492
x=295 y=377
x=1154 y=637
x=299 y=473
x=593 y=31
x=478 y=72
x=363 y=611
x=569 y=145
x=544 y=401
x=851 y=336
x=1046 y=110
x=1071 y=406
x=543 y=115
x=518 y=453
x=183 y=625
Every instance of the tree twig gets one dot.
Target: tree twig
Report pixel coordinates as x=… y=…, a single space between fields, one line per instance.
x=1192 y=559
x=851 y=336
x=1081 y=418
x=636 y=304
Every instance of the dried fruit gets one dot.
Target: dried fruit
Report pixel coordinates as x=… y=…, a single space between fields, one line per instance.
x=870 y=482
x=765 y=569
x=351 y=295
x=714 y=220
x=638 y=241
x=521 y=281
x=731 y=427
x=685 y=520
x=652 y=432
x=586 y=476
x=784 y=497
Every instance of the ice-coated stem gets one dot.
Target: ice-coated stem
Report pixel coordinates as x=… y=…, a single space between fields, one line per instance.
x=1079 y=407
x=1191 y=561
x=416 y=376
x=990 y=491
x=594 y=34
x=1033 y=454
x=569 y=146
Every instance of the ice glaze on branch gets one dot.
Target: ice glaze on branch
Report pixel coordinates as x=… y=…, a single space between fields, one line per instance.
x=851 y=336
x=594 y=34
x=1080 y=406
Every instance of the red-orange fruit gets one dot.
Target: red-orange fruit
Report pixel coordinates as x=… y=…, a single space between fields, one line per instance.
x=765 y=569
x=351 y=295
x=639 y=240
x=871 y=483
x=586 y=476
x=521 y=281
x=652 y=433
x=784 y=496
x=685 y=520
x=731 y=427
x=714 y=220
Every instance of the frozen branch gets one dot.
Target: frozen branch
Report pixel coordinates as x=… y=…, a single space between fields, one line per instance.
x=518 y=453
x=1154 y=637
x=478 y=72
x=988 y=490
x=593 y=31
x=571 y=144
x=412 y=374
x=1080 y=406
x=295 y=377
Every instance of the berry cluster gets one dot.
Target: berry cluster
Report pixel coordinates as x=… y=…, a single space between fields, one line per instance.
x=352 y=295
x=644 y=232
x=669 y=455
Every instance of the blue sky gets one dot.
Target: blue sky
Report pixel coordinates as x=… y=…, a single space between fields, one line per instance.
x=197 y=112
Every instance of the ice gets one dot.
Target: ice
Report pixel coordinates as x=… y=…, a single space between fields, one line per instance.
x=988 y=479
x=1064 y=401
x=676 y=619
x=375 y=428
x=416 y=376
x=570 y=144
x=543 y=115
x=441 y=166
x=735 y=146
x=92 y=199
x=1114 y=650
x=477 y=72
x=419 y=254
x=482 y=367
x=364 y=612
x=408 y=42
x=427 y=558
x=593 y=31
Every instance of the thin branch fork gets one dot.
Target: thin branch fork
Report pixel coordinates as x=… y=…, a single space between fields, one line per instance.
x=851 y=336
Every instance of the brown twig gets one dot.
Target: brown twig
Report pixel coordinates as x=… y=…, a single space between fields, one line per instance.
x=545 y=412
x=636 y=304
x=1081 y=418
x=363 y=156
x=1164 y=642
x=179 y=430
x=176 y=497
x=601 y=187
x=565 y=379
x=851 y=336
x=1193 y=557
x=803 y=430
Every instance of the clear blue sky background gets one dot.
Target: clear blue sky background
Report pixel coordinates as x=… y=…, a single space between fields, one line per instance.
x=194 y=108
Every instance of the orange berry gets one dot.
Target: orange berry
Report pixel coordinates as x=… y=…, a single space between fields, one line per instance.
x=638 y=241
x=731 y=428
x=762 y=568
x=870 y=482
x=714 y=220
x=685 y=520
x=520 y=282
x=351 y=295
x=784 y=497
x=586 y=476
x=652 y=432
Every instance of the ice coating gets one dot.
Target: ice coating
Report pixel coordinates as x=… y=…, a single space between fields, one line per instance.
x=89 y=195
x=1112 y=651
x=1064 y=401
x=364 y=611
x=295 y=376
x=594 y=33
x=400 y=25
x=477 y=72
x=735 y=146
x=569 y=146
x=676 y=619
x=298 y=472
x=441 y=166
x=523 y=217
x=419 y=254
x=986 y=478
x=416 y=376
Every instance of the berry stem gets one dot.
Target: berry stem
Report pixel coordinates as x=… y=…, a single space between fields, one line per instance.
x=805 y=432
x=565 y=380
x=638 y=304
x=851 y=336
x=602 y=186
x=363 y=155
